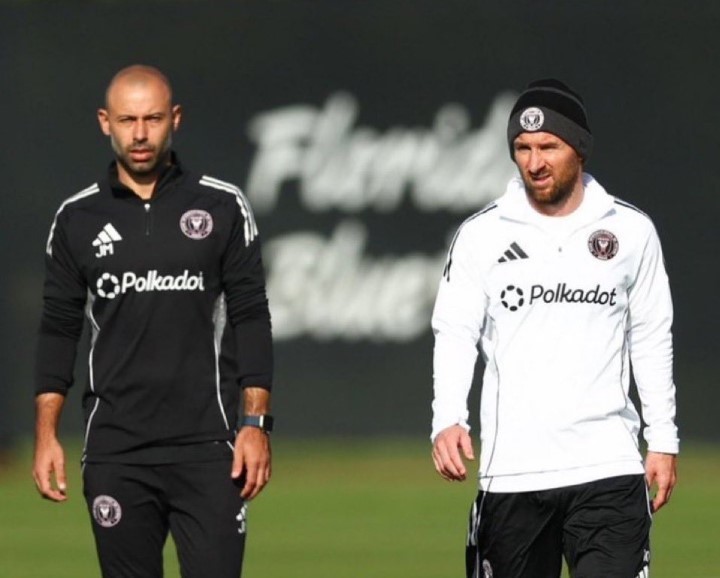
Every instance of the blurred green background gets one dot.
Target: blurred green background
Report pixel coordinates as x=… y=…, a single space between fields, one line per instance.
x=356 y=509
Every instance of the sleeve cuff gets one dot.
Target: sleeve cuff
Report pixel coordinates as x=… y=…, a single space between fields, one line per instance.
x=439 y=427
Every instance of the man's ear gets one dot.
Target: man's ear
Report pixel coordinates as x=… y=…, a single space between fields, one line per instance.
x=103 y=121
x=176 y=116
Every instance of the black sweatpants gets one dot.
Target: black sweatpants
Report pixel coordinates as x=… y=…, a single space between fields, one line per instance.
x=602 y=529
x=133 y=507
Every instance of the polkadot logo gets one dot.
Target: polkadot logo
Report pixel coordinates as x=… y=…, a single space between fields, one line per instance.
x=512 y=298
x=108 y=286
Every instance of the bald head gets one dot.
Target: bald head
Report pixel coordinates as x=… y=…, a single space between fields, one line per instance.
x=138 y=76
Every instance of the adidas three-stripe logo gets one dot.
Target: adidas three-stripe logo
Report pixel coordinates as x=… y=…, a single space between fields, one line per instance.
x=513 y=253
x=105 y=239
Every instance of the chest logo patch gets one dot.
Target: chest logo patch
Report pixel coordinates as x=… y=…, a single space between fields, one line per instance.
x=603 y=245
x=196 y=224
x=512 y=298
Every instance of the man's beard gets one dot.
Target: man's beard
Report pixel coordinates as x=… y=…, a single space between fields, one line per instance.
x=144 y=168
x=557 y=194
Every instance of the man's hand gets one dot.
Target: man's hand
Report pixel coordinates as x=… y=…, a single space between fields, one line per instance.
x=252 y=460
x=661 y=470
x=49 y=463
x=446 y=452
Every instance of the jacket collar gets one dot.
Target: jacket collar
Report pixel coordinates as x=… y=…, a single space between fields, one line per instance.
x=168 y=176
x=514 y=204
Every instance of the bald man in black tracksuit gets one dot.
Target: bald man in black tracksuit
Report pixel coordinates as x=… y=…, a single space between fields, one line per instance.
x=166 y=266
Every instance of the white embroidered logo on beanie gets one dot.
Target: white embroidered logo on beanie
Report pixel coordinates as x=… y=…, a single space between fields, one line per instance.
x=532 y=119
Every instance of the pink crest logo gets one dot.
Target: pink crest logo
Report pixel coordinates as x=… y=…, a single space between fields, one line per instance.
x=603 y=245
x=196 y=224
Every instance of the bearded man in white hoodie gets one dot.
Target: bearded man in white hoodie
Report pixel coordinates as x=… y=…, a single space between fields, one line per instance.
x=562 y=288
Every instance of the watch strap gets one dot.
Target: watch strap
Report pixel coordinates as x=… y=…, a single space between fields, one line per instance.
x=263 y=422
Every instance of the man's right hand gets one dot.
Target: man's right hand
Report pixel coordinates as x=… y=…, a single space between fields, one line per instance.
x=49 y=461
x=446 y=453
x=49 y=470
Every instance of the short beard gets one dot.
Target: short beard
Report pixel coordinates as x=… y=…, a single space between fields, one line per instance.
x=140 y=172
x=557 y=196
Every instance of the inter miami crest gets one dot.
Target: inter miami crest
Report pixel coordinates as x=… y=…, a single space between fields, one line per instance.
x=603 y=245
x=532 y=119
x=106 y=511
x=196 y=224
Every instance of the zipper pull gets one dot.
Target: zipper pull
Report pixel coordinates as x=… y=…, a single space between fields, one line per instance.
x=147 y=218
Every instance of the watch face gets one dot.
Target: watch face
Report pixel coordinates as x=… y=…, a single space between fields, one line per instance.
x=267 y=423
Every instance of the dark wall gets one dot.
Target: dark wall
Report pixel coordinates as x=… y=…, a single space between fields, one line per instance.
x=364 y=133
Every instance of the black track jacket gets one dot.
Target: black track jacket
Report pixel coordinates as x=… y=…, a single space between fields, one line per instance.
x=174 y=291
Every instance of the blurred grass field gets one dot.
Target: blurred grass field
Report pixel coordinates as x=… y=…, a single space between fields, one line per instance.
x=346 y=508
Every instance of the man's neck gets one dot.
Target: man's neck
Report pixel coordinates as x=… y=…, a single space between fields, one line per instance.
x=567 y=205
x=142 y=185
x=143 y=188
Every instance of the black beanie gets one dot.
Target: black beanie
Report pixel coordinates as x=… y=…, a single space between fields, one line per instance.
x=549 y=105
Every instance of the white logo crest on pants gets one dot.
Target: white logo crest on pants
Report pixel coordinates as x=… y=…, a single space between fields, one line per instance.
x=106 y=511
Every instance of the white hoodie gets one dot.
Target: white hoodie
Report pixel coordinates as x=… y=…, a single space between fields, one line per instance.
x=560 y=307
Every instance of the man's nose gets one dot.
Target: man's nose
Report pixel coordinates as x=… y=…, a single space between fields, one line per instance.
x=140 y=132
x=536 y=161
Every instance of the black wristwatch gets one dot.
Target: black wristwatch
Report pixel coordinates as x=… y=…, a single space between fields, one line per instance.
x=263 y=422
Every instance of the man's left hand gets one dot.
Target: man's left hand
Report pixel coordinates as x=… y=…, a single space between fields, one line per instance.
x=661 y=470
x=252 y=461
